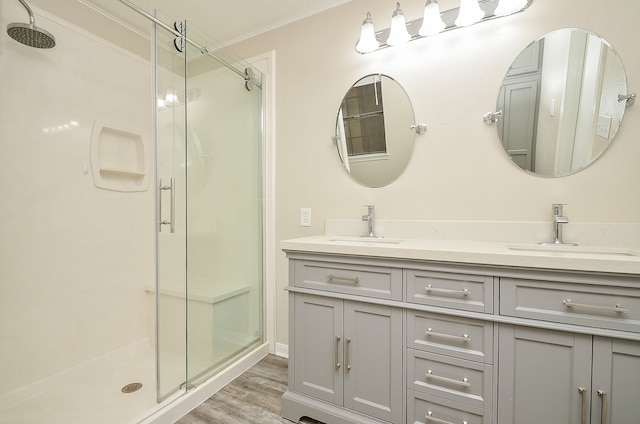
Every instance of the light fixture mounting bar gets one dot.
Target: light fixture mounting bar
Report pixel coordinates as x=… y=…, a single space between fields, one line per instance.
x=449 y=17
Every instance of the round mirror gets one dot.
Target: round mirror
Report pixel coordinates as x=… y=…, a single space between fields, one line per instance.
x=559 y=102
x=374 y=132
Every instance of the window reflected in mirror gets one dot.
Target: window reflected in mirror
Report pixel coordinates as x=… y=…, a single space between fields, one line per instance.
x=363 y=119
x=374 y=135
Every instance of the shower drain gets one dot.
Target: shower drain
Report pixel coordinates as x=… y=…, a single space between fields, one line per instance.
x=132 y=387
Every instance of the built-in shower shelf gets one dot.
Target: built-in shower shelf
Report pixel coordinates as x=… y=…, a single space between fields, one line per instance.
x=119 y=158
x=116 y=171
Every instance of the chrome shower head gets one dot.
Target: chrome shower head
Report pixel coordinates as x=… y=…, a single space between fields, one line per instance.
x=29 y=34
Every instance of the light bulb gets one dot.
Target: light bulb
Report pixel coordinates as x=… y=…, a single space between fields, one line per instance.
x=469 y=13
x=398 y=34
x=432 y=22
x=367 y=42
x=507 y=7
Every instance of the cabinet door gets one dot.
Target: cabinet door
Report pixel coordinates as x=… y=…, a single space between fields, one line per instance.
x=317 y=358
x=616 y=381
x=373 y=360
x=540 y=373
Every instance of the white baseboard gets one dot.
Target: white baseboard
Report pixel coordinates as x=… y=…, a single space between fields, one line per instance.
x=282 y=350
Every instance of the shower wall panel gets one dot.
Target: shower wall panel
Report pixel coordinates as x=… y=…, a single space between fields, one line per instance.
x=74 y=259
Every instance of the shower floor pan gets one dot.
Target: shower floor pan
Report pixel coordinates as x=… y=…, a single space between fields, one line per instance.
x=91 y=392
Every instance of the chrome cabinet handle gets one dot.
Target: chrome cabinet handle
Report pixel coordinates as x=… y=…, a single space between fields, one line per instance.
x=354 y=280
x=429 y=417
x=605 y=406
x=464 y=338
x=463 y=383
x=338 y=365
x=617 y=308
x=585 y=405
x=346 y=354
x=172 y=221
x=463 y=292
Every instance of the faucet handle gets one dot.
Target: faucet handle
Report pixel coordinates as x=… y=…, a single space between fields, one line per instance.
x=557 y=208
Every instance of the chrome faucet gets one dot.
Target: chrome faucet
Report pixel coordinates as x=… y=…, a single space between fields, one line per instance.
x=558 y=218
x=369 y=218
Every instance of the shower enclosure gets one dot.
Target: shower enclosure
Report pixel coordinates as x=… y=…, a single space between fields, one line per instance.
x=131 y=248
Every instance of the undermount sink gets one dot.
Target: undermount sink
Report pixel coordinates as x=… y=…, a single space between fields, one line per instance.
x=576 y=250
x=364 y=239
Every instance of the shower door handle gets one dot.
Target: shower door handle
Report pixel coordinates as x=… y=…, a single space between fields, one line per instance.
x=172 y=221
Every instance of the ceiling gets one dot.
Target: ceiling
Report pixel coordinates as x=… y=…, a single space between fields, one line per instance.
x=225 y=21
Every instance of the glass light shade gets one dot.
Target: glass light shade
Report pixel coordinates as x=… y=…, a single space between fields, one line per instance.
x=432 y=22
x=507 y=7
x=469 y=13
x=367 y=42
x=398 y=34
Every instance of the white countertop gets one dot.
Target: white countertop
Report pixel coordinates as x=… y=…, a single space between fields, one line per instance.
x=573 y=258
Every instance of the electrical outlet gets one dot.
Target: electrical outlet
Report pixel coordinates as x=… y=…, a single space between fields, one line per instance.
x=305 y=217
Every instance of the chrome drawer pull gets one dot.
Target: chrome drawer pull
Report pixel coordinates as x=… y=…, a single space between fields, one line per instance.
x=463 y=383
x=585 y=405
x=429 y=417
x=617 y=308
x=605 y=407
x=463 y=292
x=354 y=280
x=464 y=338
x=346 y=354
x=336 y=353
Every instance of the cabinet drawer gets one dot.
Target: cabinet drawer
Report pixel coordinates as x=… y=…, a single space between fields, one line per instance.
x=456 y=379
x=424 y=409
x=362 y=280
x=450 y=290
x=458 y=337
x=616 y=308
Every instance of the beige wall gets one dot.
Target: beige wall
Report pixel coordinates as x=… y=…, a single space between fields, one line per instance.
x=458 y=169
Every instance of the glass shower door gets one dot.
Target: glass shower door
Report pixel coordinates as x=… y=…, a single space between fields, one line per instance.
x=210 y=268
x=224 y=210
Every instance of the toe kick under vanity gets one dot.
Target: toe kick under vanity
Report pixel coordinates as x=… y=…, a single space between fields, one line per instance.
x=455 y=332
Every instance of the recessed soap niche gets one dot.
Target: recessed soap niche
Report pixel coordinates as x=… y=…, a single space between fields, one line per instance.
x=119 y=158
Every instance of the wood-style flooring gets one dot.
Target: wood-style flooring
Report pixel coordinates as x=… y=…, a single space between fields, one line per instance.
x=254 y=397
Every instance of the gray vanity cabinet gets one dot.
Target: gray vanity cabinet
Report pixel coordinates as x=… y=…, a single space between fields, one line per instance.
x=346 y=364
x=317 y=368
x=539 y=374
x=615 y=382
x=349 y=354
x=555 y=377
x=574 y=376
x=378 y=340
x=449 y=358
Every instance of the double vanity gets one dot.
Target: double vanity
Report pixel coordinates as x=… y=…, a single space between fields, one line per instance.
x=441 y=330
x=474 y=323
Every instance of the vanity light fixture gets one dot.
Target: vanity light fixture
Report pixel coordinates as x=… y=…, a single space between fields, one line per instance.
x=434 y=21
x=398 y=34
x=367 y=42
x=507 y=7
x=469 y=13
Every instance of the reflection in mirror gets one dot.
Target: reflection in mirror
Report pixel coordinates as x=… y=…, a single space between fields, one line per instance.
x=363 y=118
x=559 y=102
x=373 y=130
